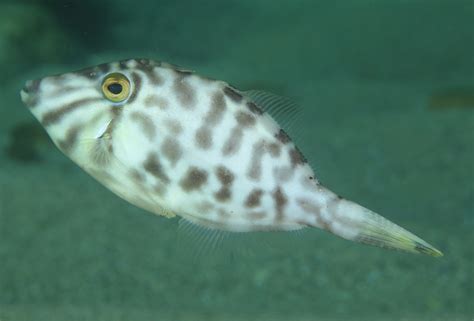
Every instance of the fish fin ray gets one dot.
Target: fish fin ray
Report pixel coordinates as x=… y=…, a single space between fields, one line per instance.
x=285 y=111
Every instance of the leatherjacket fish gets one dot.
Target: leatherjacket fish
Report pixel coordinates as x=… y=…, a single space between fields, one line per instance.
x=175 y=143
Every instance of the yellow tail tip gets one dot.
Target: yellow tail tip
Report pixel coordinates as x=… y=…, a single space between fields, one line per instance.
x=427 y=249
x=388 y=235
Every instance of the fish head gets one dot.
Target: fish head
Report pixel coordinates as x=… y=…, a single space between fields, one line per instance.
x=79 y=108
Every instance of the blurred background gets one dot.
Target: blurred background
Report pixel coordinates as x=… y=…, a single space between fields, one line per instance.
x=387 y=95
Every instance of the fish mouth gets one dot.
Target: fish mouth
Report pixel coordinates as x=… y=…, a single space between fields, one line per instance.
x=29 y=93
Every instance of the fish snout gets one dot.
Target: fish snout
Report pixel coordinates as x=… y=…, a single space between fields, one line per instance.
x=29 y=92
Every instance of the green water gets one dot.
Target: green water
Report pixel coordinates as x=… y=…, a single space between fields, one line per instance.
x=386 y=89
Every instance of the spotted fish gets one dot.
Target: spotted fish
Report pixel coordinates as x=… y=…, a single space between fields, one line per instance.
x=175 y=143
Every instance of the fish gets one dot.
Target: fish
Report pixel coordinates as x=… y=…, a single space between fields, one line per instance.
x=175 y=143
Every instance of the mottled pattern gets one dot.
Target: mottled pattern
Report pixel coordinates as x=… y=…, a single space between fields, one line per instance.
x=151 y=73
x=174 y=126
x=218 y=107
x=232 y=144
x=255 y=170
x=283 y=174
x=153 y=166
x=254 y=108
x=137 y=176
x=226 y=178
x=274 y=149
x=232 y=94
x=137 y=84
x=184 y=92
x=183 y=144
x=253 y=200
x=244 y=119
x=282 y=136
x=255 y=216
x=213 y=117
x=194 y=179
x=296 y=157
x=145 y=123
x=280 y=202
x=171 y=150
x=153 y=101
x=309 y=207
x=203 y=138
x=67 y=144
x=57 y=114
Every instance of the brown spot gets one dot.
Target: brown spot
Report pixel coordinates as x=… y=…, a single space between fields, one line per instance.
x=254 y=198
x=296 y=157
x=153 y=166
x=159 y=189
x=232 y=94
x=312 y=208
x=232 y=145
x=137 y=176
x=274 y=149
x=203 y=138
x=254 y=108
x=146 y=124
x=223 y=194
x=280 y=202
x=257 y=215
x=245 y=119
x=155 y=78
x=225 y=176
x=153 y=101
x=57 y=114
x=174 y=126
x=223 y=213
x=194 y=179
x=255 y=170
x=184 y=92
x=205 y=207
x=283 y=137
x=218 y=106
x=70 y=140
x=137 y=84
x=171 y=149
x=148 y=67
x=283 y=174
x=63 y=90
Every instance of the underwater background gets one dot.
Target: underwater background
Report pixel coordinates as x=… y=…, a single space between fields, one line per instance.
x=387 y=95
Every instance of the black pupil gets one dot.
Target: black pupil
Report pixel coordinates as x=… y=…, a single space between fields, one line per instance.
x=115 y=88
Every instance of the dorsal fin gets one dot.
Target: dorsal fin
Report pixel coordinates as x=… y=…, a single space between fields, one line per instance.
x=284 y=110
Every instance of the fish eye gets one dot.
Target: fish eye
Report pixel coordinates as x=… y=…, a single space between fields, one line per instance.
x=116 y=87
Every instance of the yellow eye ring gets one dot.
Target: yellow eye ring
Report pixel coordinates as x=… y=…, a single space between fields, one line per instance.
x=116 y=87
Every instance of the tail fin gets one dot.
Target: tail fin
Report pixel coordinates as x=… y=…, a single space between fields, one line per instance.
x=354 y=222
